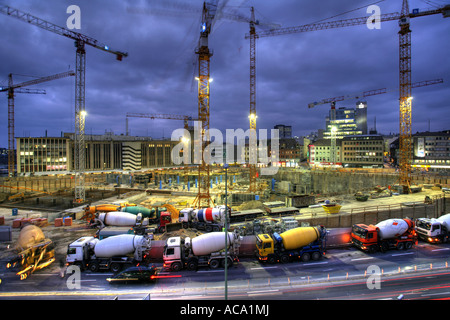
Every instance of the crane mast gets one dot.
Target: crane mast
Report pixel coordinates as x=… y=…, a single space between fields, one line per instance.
x=203 y=198
x=403 y=18
x=12 y=89
x=253 y=153
x=405 y=138
x=80 y=111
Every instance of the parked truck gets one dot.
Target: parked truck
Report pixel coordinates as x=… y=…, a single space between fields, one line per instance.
x=111 y=253
x=304 y=243
x=163 y=216
x=120 y=219
x=434 y=230
x=208 y=219
x=205 y=250
x=388 y=234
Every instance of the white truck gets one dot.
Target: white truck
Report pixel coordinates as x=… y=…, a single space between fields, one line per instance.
x=434 y=230
x=111 y=253
x=208 y=219
x=205 y=250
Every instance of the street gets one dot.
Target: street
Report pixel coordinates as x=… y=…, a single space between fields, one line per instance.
x=343 y=274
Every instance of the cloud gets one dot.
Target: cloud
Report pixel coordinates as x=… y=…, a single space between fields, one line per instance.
x=157 y=76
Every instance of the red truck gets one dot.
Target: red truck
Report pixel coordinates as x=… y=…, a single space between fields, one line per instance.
x=389 y=234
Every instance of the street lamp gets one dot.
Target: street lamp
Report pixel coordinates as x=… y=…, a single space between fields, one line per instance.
x=226 y=166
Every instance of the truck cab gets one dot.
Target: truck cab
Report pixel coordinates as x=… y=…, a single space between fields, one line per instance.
x=78 y=251
x=431 y=230
x=165 y=218
x=265 y=246
x=365 y=237
x=172 y=254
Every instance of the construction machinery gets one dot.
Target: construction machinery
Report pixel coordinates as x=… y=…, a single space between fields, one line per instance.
x=304 y=243
x=81 y=41
x=112 y=253
x=185 y=118
x=203 y=199
x=434 y=230
x=403 y=18
x=204 y=250
x=361 y=95
x=368 y=93
x=34 y=252
x=397 y=234
x=208 y=219
x=186 y=140
x=12 y=89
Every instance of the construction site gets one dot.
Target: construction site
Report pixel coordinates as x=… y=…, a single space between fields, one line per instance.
x=66 y=206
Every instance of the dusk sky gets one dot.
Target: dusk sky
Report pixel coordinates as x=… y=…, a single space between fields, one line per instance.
x=158 y=75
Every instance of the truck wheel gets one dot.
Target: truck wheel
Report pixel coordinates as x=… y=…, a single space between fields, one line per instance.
x=94 y=266
x=208 y=228
x=192 y=265
x=408 y=245
x=306 y=257
x=214 y=264
x=316 y=256
x=285 y=258
x=176 y=266
x=216 y=228
x=115 y=267
x=271 y=259
x=229 y=263
x=401 y=246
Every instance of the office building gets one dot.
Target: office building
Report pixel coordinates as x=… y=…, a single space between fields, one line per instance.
x=285 y=132
x=106 y=152
x=431 y=150
x=364 y=151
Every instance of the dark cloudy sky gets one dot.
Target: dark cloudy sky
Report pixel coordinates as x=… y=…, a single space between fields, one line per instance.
x=292 y=70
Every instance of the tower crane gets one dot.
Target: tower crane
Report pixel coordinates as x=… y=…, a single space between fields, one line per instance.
x=370 y=93
x=203 y=199
x=185 y=119
x=358 y=96
x=12 y=89
x=81 y=41
x=212 y=12
x=403 y=18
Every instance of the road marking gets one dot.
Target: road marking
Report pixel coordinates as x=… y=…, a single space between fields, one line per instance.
x=434 y=294
x=314 y=263
x=440 y=249
x=262 y=268
x=362 y=259
x=401 y=254
x=262 y=291
x=203 y=271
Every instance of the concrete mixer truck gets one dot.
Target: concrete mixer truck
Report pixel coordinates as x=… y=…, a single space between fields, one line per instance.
x=111 y=253
x=397 y=234
x=121 y=219
x=303 y=242
x=434 y=230
x=208 y=219
x=205 y=250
